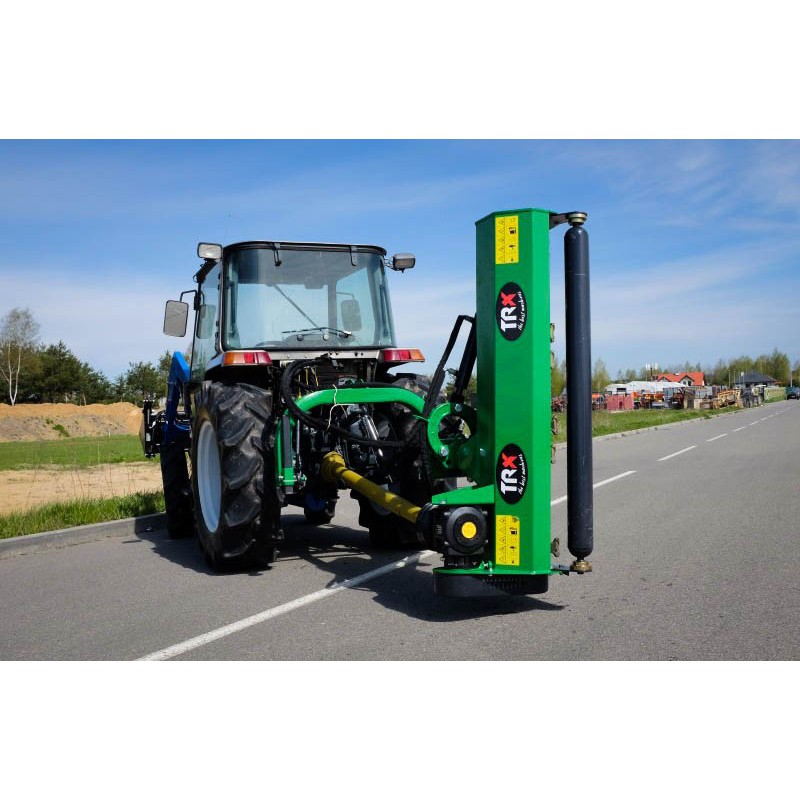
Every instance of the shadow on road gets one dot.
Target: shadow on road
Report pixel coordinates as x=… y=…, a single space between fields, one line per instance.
x=344 y=552
x=183 y=552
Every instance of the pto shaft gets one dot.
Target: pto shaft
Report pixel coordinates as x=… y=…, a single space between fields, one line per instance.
x=334 y=469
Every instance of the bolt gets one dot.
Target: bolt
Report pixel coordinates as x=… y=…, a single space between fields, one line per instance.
x=443 y=451
x=458 y=408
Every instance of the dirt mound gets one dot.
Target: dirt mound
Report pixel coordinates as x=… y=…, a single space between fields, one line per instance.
x=38 y=421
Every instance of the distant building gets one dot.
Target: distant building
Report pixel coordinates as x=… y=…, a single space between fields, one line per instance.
x=754 y=379
x=686 y=378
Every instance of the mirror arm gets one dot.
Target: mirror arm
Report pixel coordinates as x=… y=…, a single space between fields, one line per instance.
x=195 y=303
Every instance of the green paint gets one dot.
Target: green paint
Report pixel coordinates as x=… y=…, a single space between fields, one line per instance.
x=361 y=394
x=513 y=400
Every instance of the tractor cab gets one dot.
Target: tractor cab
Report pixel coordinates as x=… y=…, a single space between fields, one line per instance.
x=267 y=301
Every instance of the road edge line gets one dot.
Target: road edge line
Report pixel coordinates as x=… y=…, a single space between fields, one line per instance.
x=81 y=534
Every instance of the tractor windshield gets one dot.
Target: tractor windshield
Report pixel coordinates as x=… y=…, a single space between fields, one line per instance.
x=302 y=298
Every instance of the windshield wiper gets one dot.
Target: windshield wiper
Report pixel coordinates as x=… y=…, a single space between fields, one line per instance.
x=325 y=329
x=286 y=296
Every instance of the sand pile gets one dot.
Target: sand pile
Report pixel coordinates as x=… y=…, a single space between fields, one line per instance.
x=39 y=421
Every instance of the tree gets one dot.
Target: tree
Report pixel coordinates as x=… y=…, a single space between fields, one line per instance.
x=164 y=364
x=470 y=393
x=739 y=365
x=141 y=381
x=62 y=377
x=558 y=378
x=600 y=376
x=718 y=375
x=18 y=336
x=777 y=366
x=96 y=388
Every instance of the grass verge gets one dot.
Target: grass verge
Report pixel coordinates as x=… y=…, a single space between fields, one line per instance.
x=82 y=452
x=606 y=422
x=55 y=516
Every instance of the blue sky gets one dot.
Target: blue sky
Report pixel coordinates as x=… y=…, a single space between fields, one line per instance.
x=695 y=245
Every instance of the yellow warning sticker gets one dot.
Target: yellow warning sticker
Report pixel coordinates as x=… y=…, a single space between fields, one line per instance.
x=506 y=240
x=506 y=540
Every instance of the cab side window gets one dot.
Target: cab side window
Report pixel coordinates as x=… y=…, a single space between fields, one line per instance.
x=206 y=333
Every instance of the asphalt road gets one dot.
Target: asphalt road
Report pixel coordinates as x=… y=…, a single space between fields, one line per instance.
x=696 y=557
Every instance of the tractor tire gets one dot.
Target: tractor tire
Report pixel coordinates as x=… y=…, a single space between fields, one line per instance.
x=231 y=435
x=177 y=491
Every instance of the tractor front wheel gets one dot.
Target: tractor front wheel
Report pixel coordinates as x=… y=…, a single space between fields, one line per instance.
x=177 y=491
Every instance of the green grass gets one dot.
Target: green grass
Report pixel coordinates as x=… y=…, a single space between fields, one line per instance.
x=606 y=422
x=80 y=452
x=79 y=512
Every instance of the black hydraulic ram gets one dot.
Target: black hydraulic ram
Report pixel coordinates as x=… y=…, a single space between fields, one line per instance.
x=580 y=511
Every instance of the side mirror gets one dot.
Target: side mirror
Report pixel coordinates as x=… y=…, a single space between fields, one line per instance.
x=403 y=261
x=176 y=315
x=351 y=315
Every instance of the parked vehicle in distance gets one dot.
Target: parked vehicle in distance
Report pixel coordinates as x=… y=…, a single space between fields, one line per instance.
x=793 y=393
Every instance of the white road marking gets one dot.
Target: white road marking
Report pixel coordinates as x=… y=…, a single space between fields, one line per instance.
x=672 y=455
x=256 y=619
x=739 y=429
x=615 y=478
x=716 y=437
x=596 y=485
x=756 y=422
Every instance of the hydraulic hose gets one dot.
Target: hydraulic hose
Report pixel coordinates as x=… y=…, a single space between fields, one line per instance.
x=313 y=422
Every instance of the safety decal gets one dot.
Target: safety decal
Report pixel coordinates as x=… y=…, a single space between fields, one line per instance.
x=511 y=473
x=511 y=311
x=506 y=540
x=506 y=240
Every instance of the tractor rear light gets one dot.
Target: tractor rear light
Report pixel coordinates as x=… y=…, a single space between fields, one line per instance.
x=396 y=355
x=237 y=358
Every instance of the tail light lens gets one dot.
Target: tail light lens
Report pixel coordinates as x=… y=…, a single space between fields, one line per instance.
x=236 y=358
x=396 y=355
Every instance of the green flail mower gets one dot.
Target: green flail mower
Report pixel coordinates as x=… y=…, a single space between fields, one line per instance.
x=296 y=391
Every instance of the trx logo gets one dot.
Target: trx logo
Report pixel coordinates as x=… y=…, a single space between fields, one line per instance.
x=511 y=473
x=511 y=311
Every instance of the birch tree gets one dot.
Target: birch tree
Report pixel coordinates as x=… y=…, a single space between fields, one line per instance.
x=19 y=332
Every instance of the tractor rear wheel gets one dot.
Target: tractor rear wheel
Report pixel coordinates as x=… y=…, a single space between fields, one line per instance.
x=229 y=439
x=177 y=491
